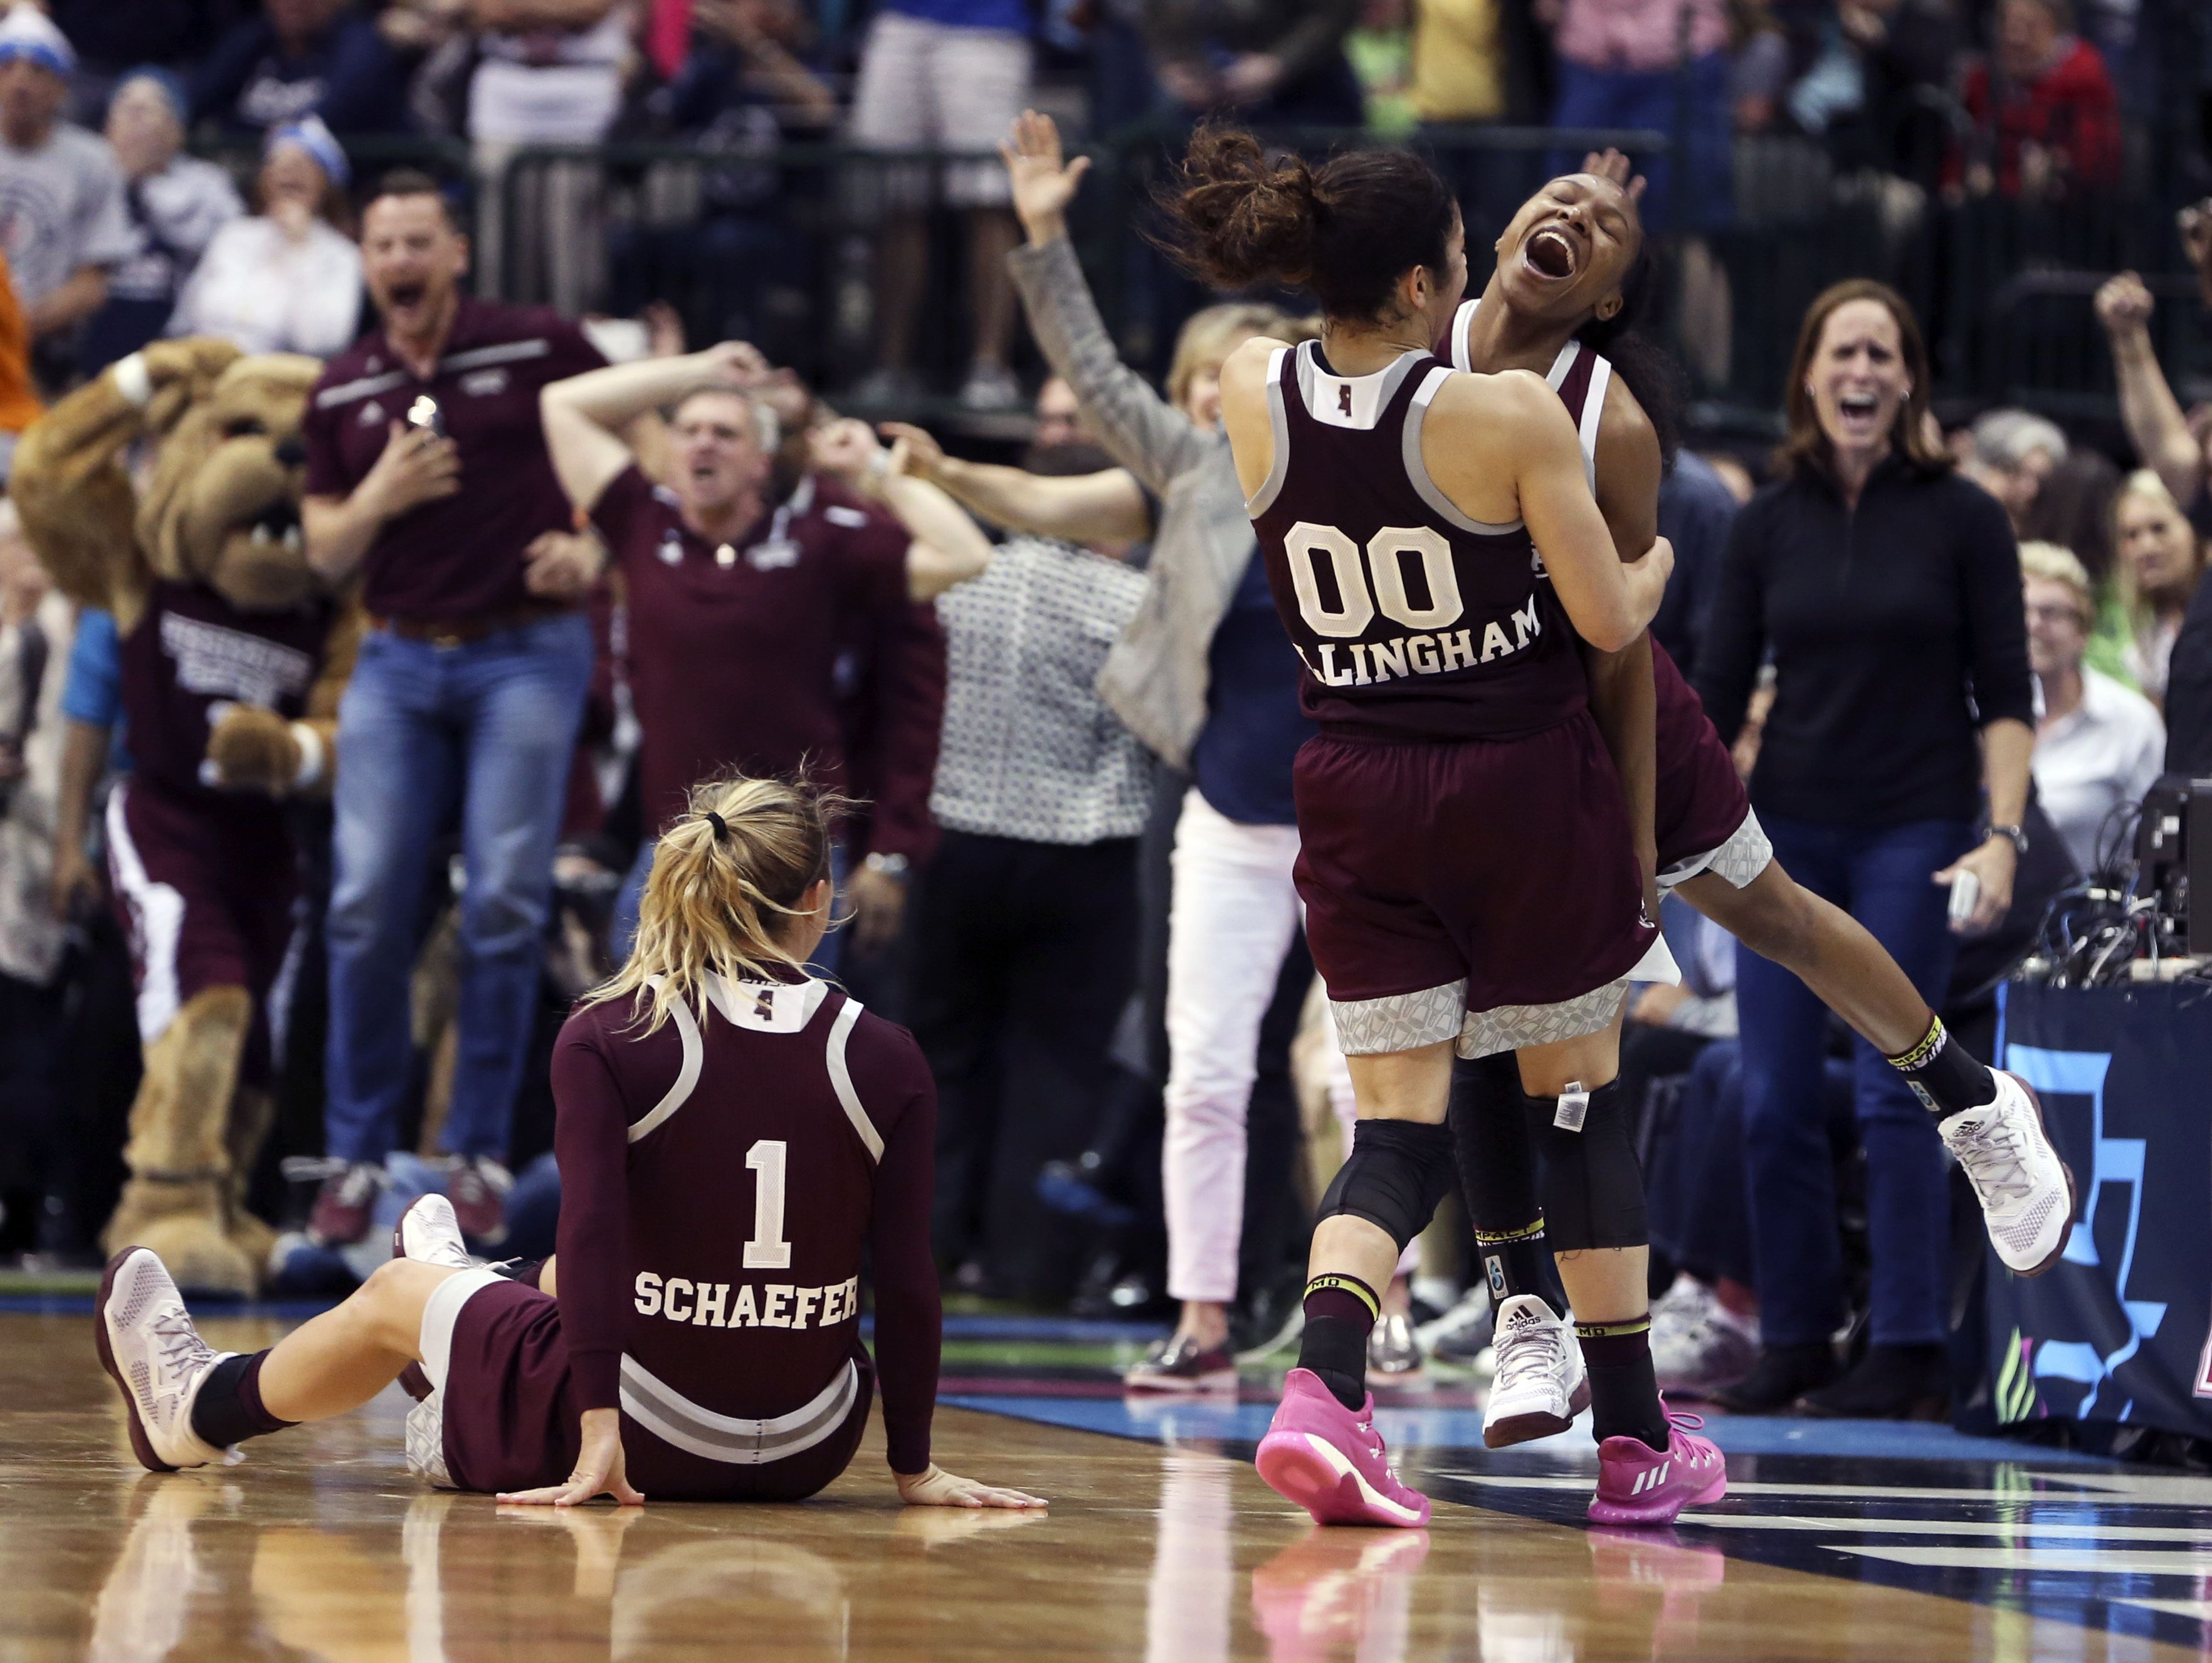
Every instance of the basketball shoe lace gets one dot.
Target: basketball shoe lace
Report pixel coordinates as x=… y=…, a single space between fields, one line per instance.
x=1994 y=1152
x=1535 y=1351
x=184 y=1353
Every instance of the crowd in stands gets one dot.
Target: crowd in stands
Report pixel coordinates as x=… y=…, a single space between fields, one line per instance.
x=1070 y=871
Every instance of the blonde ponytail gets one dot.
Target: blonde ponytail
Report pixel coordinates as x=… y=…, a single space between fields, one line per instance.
x=726 y=880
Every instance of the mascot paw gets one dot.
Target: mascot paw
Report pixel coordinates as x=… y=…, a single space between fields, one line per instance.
x=183 y=1224
x=250 y=749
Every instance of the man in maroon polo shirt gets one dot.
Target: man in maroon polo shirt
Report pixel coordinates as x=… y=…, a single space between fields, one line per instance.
x=739 y=607
x=428 y=478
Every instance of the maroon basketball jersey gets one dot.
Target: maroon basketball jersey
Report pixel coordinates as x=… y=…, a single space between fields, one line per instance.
x=1700 y=800
x=192 y=653
x=750 y=1188
x=1414 y=621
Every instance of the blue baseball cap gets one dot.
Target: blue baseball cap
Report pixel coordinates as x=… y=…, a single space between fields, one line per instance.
x=319 y=142
x=28 y=33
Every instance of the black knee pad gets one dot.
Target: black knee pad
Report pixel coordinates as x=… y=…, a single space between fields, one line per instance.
x=1397 y=1172
x=1497 y=1171
x=1593 y=1182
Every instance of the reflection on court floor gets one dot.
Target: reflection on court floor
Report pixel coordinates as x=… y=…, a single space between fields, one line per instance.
x=1161 y=1544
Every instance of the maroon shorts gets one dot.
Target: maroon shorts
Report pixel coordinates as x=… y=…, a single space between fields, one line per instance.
x=510 y=1418
x=1701 y=802
x=1441 y=879
x=206 y=887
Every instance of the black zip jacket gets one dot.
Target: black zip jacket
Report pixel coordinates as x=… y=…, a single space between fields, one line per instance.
x=1897 y=631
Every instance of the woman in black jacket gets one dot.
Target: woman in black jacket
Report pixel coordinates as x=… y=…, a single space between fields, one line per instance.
x=1886 y=590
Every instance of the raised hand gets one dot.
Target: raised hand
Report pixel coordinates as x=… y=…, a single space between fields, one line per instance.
x=845 y=447
x=2196 y=225
x=912 y=450
x=2123 y=304
x=937 y=1488
x=1611 y=164
x=1044 y=183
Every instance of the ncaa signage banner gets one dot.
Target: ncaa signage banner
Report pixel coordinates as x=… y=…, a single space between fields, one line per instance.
x=2120 y=1329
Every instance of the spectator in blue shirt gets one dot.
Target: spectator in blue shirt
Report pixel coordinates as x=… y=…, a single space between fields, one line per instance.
x=92 y=745
x=298 y=58
x=1696 y=509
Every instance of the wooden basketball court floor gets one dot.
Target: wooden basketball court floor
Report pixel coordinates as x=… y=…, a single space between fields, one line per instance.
x=1840 y=1544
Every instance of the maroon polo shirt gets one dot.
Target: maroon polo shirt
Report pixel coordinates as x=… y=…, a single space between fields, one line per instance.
x=738 y=652
x=461 y=556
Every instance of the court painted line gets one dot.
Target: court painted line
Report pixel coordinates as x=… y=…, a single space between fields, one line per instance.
x=1845 y=1525
x=1848 y=1492
x=2119 y=1562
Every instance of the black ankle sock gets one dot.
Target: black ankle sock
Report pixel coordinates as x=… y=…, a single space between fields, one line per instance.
x=1340 y=1312
x=1624 y=1391
x=1943 y=1074
x=1520 y=1262
x=228 y=1409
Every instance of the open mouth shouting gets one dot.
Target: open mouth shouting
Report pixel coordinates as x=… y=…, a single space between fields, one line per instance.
x=1861 y=411
x=405 y=296
x=1552 y=253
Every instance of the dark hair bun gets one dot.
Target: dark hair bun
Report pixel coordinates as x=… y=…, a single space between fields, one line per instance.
x=1347 y=230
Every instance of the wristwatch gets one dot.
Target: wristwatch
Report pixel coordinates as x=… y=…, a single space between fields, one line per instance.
x=891 y=866
x=2012 y=835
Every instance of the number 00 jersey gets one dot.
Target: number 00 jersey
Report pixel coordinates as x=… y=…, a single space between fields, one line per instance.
x=1414 y=621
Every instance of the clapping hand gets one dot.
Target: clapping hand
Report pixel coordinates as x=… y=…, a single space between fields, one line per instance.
x=1044 y=183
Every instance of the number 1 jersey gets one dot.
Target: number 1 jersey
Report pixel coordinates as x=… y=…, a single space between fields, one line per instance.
x=721 y=1178
x=1414 y=623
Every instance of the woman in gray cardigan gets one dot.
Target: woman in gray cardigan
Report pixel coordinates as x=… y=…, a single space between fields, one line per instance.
x=1204 y=676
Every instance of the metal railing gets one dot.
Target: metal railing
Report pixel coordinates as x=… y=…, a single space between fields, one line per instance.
x=778 y=244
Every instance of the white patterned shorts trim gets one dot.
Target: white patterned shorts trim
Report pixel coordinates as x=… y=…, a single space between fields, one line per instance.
x=426 y=1442
x=1399 y=1022
x=1747 y=852
x=1511 y=1027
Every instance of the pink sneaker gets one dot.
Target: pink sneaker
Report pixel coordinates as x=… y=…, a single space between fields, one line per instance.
x=1638 y=1485
x=1330 y=1461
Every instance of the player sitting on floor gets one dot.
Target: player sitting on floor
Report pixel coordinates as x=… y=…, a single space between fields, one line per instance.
x=684 y=1354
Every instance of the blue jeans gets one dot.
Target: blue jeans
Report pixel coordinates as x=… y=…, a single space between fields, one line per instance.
x=1881 y=877
x=622 y=928
x=488 y=727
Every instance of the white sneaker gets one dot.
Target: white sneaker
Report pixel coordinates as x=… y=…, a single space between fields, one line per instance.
x=1698 y=1344
x=1540 y=1386
x=2027 y=1192
x=429 y=1231
x=157 y=1360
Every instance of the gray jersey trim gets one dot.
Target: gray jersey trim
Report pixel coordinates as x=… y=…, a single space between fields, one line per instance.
x=1745 y=853
x=1511 y=1027
x=674 y=1418
x=1270 y=487
x=1399 y=1022
x=687 y=1077
x=841 y=1078
x=1417 y=470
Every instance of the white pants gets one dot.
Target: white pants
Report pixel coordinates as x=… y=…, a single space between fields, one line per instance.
x=1230 y=922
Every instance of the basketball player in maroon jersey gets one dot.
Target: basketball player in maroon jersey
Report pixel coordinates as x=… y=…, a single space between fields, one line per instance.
x=1400 y=508
x=696 y=1350
x=1571 y=267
